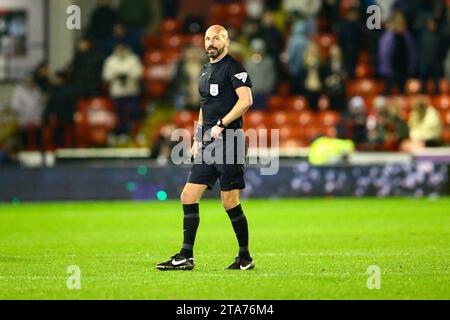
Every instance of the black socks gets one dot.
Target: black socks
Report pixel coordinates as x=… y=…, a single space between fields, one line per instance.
x=190 y=225
x=192 y=220
x=240 y=227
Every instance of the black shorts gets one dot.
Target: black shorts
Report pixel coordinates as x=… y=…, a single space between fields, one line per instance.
x=230 y=172
x=231 y=177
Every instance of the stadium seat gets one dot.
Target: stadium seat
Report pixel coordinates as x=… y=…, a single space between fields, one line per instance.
x=283 y=118
x=445 y=116
x=229 y=15
x=296 y=103
x=156 y=88
x=444 y=86
x=292 y=143
x=169 y=26
x=153 y=42
x=413 y=99
x=364 y=57
x=277 y=103
x=183 y=119
x=174 y=41
x=288 y=132
x=255 y=119
x=446 y=135
x=164 y=72
x=329 y=131
x=94 y=119
x=310 y=132
x=194 y=39
x=413 y=86
x=401 y=101
x=161 y=56
x=33 y=136
x=324 y=42
x=324 y=103
x=283 y=88
x=329 y=118
x=364 y=87
x=363 y=70
x=305 y=118
x=442 y=102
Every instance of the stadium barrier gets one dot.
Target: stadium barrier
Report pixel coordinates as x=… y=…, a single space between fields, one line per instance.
x=137 y=180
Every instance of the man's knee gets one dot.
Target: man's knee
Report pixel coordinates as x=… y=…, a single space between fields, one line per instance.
x=191 y=195
x=230 y=200
x=187 y=197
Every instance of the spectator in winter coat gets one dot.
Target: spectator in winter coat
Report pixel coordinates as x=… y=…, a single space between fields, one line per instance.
x=396 y=55
x=86 y=69
x=428 y=52
x=123 y=71
x=28 y=106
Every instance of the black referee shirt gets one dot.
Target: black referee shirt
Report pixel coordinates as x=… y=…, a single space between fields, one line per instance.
x=218 y=82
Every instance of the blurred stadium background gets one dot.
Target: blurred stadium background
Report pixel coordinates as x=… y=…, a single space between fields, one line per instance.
x=361 y=113
x=379 y=99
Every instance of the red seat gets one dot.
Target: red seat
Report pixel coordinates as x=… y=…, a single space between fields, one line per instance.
x=413 y=99
x=364 y=87
x=225 y=11
x=445 y=116
x=194 y=40
x=305 y=118
x=156 y=88
x=323 y=103
x=170 y=26
x=174 y=41
x=329 y=131
x=296 y=103
x=280 y=118
x=413 y=86
x=94 y=119
x=292 y=143
x=363 y=70
x=153 y=42
x=288 y=132
x=229 y=15
x=310 y=132
x=446 y=135
x=444 y=86
x=364 y=57
x=401 y=101
x=161 y=56
x=276 y=103
x=256 y=119
x=329 y=118
x=185 y=119
x=442 y=102
x=162 y=72
x=324 y=42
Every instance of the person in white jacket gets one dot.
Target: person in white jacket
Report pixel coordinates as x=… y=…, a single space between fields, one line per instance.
x=123 y=71
x=27 y=104
x=425 y=125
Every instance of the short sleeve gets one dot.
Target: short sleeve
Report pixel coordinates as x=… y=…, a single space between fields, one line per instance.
x=239 y=76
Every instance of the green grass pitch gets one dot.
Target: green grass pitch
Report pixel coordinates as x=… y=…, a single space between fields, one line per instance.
x=303 y=249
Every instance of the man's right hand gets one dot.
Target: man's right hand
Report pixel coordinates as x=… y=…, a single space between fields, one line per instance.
x=195 y=148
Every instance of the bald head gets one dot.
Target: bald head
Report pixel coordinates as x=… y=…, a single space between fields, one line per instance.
x=217 y=30
x=216 y=42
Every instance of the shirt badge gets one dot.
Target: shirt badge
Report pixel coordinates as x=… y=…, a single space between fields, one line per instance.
x=214 y=90
x=242 y=76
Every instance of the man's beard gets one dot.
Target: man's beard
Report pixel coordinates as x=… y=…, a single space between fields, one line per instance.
x=215 y=52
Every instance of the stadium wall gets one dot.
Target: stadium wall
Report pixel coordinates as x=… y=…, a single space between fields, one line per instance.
x=80 y=182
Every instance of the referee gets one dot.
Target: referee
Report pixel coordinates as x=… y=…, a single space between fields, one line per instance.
x=225 y=90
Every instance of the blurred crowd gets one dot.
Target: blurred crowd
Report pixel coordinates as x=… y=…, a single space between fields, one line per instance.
x=312 y=49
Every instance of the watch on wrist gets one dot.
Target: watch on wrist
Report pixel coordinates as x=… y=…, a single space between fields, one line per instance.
x=220 y=124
